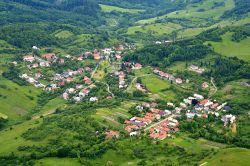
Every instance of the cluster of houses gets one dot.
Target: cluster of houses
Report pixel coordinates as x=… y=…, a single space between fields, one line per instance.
x=79 y=92
x=32 y=81
x=196 y=105
x=167 y=76
x=121 y=77
x=132 y=65
x=164 y=129
x=159 y=131
x=196 y=69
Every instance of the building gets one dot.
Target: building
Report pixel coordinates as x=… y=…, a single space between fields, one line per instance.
x=28 y=58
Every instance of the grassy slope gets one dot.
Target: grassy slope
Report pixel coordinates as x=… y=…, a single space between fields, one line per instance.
x=157 y=29
x=11 y=139
x=229 y=48
x=63 y=34
x=58 y=161
x=108 y=8
x=230 y=157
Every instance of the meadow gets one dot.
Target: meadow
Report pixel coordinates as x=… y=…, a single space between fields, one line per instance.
x=155 y=29
x=108 y=8
x=227 y=47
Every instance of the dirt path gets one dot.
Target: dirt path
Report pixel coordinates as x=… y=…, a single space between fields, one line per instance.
x=215 y=88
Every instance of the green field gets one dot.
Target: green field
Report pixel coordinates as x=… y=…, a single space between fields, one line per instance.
x=110 y=115
x=11 y=138
x=63 y=34
x=58 y=161
x=108 y=8
x=155 y=29
x=230 y=157
x=15 y=100
x=229 y=48
x=207 y=10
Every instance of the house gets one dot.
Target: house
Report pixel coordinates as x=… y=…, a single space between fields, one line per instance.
x=111 y=134
x=228 y=118
x=198 y=97
x=79 y=86
x=137 y=66
x=44 y=64
x=87 y=80
x=196 y=69
x=49 y=56
x=109 y=97
x=61 y=60
x=97 y=56
x=77 y=98
x=28 y=58
x=93 y=99
x=69 y=79
x=71 y=90
x=178 y=80
x=204 y=85
x=35 y=65
x=65 y=96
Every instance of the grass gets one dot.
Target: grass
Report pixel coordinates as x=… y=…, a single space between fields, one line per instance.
x=15 y=100
x=230 y=157
x=228 y=48
x=111 y=115
x=63 y=34
x=192 y=11
x=11 y=139
x=155 y=29
x=108 y=8
x=233 y=91
x=58 y=161
x=52 y=105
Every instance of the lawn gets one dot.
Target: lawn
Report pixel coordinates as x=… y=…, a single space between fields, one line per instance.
x=230 y=157
x=228 y=47
x=155 y=29
x=108 y=8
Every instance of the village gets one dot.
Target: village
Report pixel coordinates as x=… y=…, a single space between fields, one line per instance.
x=75 y=83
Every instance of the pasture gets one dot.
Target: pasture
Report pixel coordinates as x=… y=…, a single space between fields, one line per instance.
x=227 y=47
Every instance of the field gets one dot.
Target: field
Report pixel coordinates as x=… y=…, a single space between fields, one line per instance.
x=63 y=34
x=109 y=116
x=155 y=29
x=108 y=8
x=230 y=157
x=227 y=47
x=58 y=161
x=15 y=100
x=233 y=91
x=206 y=9
x=11 y=138
x=197 y=12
